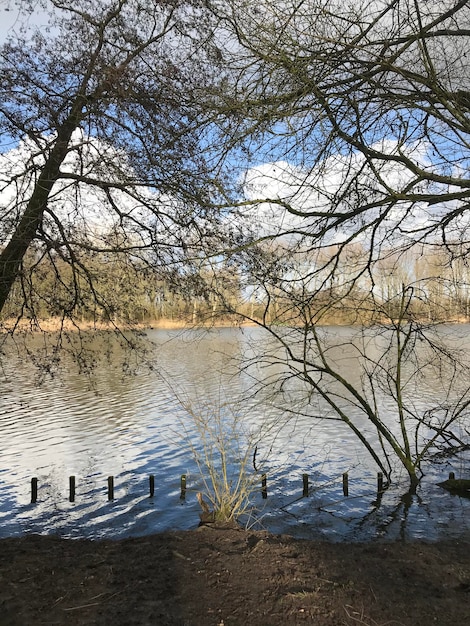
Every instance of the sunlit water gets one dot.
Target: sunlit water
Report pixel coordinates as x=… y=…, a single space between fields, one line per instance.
x=131 y=426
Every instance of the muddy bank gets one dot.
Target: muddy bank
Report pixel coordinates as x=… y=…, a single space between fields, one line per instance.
x=214 y=577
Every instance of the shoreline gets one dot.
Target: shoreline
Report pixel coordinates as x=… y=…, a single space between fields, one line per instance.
x=230 y=577
x=55 y=325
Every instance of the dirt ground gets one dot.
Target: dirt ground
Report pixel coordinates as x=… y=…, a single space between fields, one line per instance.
x=216 y=576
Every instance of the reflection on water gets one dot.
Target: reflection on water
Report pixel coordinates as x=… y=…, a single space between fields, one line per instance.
x=132 y=426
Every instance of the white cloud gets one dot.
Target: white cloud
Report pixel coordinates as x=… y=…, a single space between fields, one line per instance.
x=340 y=184
x=81 y=207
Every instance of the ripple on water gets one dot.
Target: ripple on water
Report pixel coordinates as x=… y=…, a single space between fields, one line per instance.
x=133 y=427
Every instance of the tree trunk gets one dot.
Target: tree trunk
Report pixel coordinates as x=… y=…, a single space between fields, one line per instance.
x=414 y=480
x=27 y=228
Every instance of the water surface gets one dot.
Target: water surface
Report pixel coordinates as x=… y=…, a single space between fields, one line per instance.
x=130 y=423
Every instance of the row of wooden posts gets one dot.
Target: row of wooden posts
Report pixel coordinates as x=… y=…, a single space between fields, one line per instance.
x=264 y=486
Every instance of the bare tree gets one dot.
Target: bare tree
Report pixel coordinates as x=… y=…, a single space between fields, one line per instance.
x=309 y=142
x=354 y=120
x=363 y=110
x=106 y=147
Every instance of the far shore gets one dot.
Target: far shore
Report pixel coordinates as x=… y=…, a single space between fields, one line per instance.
x=54 y=325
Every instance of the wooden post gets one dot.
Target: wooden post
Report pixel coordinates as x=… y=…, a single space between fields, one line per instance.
x=264 y=486
x=380 y=482
x=305 y=485
x=183 y=487
x=451 y=476
x=151 y=485
x=110 y=487
x=34 y=490
x=71 y=488
x=345 y=484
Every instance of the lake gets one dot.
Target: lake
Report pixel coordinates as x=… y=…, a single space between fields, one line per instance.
x=128 y=421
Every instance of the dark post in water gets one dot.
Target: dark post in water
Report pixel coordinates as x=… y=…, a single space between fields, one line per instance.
x=110 y=487
x=264 y=486
x=34 y=490
x=72 y=489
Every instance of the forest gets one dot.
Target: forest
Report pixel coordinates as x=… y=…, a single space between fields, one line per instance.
x=139 y=294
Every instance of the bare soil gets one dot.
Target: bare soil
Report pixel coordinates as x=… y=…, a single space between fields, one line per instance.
x=224 y=576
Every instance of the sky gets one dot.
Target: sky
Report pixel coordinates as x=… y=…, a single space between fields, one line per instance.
x=8 y=17
x=317 y=190
x=283 y=180
x=11 y=20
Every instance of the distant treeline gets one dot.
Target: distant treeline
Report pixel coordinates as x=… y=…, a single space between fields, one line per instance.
x=121 y=289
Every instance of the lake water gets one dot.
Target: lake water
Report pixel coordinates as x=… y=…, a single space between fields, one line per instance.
x=128 y=422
